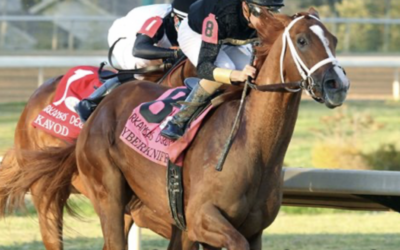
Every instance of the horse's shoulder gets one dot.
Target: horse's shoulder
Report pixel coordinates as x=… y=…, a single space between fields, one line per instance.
x=226 y=107
x=229 y=107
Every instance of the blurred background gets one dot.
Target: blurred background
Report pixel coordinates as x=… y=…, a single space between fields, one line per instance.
x=40 y=39
x=368 y=33
x=80 y=26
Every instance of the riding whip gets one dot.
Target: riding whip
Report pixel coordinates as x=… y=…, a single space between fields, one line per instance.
x=239 y=115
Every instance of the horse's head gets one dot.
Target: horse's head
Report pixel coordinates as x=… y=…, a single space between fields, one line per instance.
x=312 y=58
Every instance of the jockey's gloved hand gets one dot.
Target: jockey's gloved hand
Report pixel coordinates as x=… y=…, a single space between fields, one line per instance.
x=178 y=54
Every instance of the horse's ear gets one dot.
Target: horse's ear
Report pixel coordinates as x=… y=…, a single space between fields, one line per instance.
x=313 y=12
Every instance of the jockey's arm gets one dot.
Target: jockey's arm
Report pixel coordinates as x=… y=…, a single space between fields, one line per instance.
x=144 y=48
x=206 y=68
x=207 y=56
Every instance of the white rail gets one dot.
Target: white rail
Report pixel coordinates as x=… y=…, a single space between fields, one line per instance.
x=70 y=61
x=49 y=61
x=41 y=62
x=342 y=189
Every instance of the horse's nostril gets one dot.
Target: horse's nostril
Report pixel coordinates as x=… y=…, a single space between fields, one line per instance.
x=331 y=84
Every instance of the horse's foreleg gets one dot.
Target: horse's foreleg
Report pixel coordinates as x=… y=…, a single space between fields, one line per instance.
x=209 y=226
x=256 y=241
x=207 y=247
x=50 y=222
x=180 y=241
x=187 y=244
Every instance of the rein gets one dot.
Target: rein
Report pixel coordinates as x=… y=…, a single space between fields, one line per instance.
x=276 y=87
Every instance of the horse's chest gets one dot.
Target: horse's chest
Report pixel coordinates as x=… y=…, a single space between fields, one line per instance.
x=263 y=206
x=250 y=213
x=258 y=219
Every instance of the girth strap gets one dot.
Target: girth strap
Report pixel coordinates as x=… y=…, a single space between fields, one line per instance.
x=175 y=194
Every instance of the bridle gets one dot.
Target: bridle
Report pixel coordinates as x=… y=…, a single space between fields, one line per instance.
x=304 y=71
x=307 y=82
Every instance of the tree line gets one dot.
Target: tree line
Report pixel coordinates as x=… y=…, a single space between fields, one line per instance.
x=356 y=36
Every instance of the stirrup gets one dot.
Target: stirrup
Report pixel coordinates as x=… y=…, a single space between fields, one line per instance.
x=191 y=82
x=173 y=131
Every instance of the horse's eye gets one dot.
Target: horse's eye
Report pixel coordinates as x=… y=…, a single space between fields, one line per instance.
x=301 y=41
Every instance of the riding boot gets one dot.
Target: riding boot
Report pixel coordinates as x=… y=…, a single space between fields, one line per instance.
x=177 y=125
x=86 y=107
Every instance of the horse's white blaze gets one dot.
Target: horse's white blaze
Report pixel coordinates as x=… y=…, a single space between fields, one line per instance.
x=320 y=33
x=342 y=76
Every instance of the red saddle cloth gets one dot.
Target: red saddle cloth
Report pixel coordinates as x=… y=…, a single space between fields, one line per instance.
x=142 y=130
x=59 y=118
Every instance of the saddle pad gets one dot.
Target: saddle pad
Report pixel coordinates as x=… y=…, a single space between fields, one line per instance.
x=142 y=130
x=59 y=118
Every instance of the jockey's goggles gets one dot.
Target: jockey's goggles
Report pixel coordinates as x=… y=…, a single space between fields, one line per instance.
x=256 y=10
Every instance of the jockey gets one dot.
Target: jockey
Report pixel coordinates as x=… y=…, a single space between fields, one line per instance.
x=199 y=36
x=148 y=37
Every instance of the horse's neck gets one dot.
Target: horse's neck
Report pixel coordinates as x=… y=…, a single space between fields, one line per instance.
x=271 y=116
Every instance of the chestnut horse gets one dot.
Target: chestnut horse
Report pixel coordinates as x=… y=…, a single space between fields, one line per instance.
x=28 y=138
x=227 y=209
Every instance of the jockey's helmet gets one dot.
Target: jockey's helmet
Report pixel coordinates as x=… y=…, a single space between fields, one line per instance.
x=273 y=6
x=181 y=7
x=267 y=3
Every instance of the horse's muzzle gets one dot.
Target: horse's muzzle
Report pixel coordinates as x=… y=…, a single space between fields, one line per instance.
x=335 y=86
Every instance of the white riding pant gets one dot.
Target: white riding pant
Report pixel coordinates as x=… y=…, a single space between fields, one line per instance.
x=127 y=27
x=229 y=57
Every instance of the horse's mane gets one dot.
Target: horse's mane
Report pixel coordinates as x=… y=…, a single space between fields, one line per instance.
x=268 y=30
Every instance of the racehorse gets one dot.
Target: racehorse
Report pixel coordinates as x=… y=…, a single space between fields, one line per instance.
x=27 y=139
x=226 y=209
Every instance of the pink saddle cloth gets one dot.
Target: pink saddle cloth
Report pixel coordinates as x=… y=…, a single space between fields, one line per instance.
x=142 y=130
x=59 y=117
